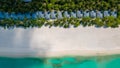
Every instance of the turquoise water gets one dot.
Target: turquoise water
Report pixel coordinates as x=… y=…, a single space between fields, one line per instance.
x=63 y=62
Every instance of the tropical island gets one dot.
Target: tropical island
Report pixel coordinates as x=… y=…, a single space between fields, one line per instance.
x=59 y=34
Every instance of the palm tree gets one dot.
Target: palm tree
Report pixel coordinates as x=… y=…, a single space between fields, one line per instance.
x=40 y=22
x=118 y=20
x=111 y=22
x=98 y=22
x=86 y=21
x=53 y=1
x=76 y=22
x=66 y=25
x=61 y=22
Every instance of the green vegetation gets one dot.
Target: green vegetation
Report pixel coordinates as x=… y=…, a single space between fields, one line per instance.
x=40 y=5
x=12 y=13
x=65 y=22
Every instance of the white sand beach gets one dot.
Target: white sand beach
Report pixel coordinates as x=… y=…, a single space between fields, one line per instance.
x=51 y=42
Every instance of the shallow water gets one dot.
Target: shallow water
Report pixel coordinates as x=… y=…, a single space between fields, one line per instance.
x=63 y=62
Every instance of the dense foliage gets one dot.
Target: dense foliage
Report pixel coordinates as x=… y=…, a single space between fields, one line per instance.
x=59 y=13
x=40 y=5
x=109 y=21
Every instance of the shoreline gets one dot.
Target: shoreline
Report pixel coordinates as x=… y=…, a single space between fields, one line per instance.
x=69 y=53
x=84 y=53
x=88 y=41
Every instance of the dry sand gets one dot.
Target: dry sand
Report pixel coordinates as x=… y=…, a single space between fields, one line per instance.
x=51 y=42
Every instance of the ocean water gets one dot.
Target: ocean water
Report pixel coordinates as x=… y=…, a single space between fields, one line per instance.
x=111 y=61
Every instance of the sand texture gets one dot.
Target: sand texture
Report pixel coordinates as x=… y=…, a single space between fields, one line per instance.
x=59 y=42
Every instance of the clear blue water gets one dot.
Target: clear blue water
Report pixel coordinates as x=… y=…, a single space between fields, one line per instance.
x=63 y=62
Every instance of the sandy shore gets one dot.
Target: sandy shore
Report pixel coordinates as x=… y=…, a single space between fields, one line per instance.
x=83 y=53
x=51 y=42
